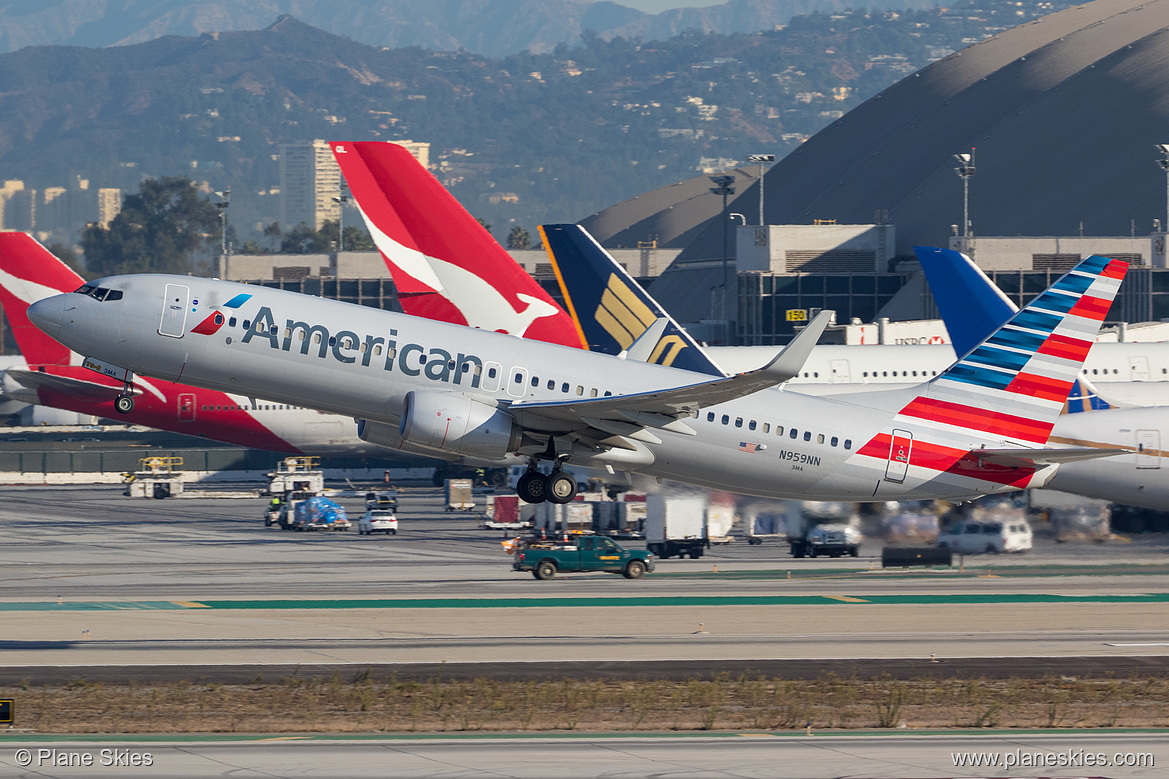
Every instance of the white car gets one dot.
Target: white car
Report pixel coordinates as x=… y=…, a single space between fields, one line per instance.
x=377 y=521
x=987 y=536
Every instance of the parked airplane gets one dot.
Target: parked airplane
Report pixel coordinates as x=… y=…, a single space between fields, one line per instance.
x=979 y=427
x=54 y=376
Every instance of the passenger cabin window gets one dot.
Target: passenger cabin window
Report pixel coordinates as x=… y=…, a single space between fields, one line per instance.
x=779 y=429
x=807 y=435
x=738 y=421
x=751 y=425
x=848 y=443
x=551 y=384
x=835 y=440
x=792 y=435
x=709 y=416
x=766 y=427
x=726 y=419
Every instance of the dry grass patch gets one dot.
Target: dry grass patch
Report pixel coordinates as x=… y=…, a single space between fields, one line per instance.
x=363 y=705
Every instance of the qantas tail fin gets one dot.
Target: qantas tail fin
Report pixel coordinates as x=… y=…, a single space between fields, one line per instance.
x=969 y=303
x=1015 y=383
x=28 y=273
x=446 y=266
x=610 y=307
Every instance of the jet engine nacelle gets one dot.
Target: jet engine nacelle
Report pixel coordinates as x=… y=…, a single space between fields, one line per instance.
x=455 y=423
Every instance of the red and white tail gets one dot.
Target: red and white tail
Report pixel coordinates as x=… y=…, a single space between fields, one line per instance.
x=28 y=273
x=446 y=266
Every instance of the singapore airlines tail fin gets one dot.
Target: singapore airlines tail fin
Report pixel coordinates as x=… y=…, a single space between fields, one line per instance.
x=1015 y=383
x=610 y=307
x=446 y=266
x=28 y=273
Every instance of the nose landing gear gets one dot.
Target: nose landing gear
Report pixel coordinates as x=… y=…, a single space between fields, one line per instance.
x=124 y=403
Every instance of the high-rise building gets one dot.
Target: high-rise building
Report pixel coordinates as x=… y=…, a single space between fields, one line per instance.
x=310 y=180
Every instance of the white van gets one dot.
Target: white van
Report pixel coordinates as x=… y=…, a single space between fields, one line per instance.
x=989 y=536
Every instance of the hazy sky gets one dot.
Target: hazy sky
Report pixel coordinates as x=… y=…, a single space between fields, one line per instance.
x=656 y=6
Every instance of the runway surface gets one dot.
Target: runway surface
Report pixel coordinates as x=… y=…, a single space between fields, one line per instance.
x=93 y=579
x=755 y=755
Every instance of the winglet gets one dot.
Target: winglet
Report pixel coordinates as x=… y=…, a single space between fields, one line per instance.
x=643 y=348
x=788 y=363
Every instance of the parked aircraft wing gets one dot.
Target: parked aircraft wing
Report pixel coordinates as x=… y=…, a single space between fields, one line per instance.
x=66 y=384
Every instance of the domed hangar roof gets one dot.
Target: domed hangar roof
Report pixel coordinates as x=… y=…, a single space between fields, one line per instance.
x=1064 y=111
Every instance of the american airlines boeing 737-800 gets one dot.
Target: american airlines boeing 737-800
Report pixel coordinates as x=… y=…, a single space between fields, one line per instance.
x=979 y=427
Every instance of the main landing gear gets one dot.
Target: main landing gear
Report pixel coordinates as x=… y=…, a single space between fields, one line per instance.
x=556 y=487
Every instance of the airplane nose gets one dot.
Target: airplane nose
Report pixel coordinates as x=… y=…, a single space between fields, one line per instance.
x=48 y=313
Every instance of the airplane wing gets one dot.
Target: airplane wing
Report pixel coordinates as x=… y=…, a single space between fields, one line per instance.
x=662 y=408
x=77 y=387
x=1022 y=458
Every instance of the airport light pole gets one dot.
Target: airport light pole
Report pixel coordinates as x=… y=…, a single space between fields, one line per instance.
x=1164 y=149
x=760 y=158
x=341 y=201
x=723 y=186
x=222 y=203
x=965 y=171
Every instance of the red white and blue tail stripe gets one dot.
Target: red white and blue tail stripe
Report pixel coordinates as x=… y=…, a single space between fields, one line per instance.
x=1014 y=384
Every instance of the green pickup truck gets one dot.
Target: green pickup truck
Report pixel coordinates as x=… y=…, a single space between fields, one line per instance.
x=580 y=553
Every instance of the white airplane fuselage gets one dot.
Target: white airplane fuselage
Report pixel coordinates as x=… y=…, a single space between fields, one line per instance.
x=363 y=363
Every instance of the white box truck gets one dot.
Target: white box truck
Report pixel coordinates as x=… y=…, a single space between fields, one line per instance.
x=676 y=525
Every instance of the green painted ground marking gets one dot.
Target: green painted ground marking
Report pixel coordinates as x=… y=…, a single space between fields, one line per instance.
x=828 y=599
x=974 y=568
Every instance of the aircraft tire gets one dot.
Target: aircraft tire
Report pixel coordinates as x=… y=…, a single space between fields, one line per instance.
x=560 y=488
x=124 y=404
x=532 y=487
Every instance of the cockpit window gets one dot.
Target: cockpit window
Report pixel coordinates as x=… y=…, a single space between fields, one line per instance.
x=99 y=293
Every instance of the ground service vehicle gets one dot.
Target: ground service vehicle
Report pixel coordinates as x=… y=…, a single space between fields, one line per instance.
x=990 y=536
x=676 y=525
x=377 y=521
x=822 y=529
x=580 y=553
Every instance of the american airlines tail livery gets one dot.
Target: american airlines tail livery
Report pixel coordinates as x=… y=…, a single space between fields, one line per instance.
x=981 y=426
